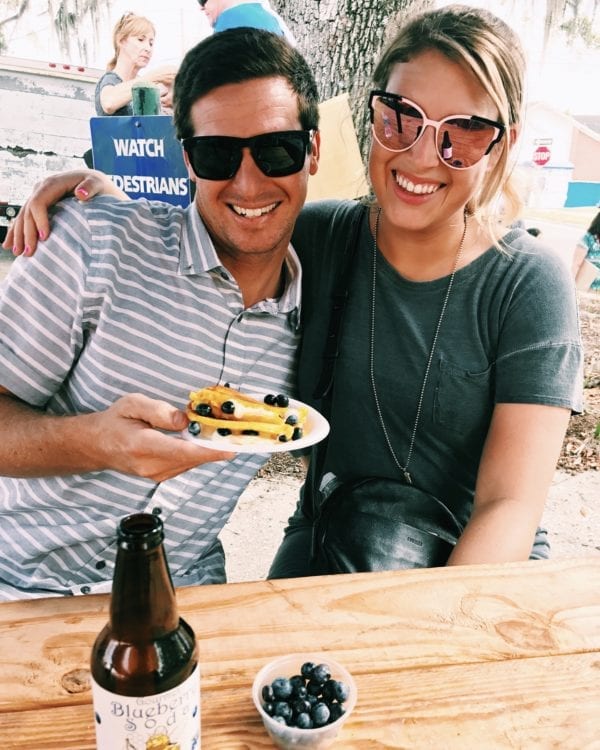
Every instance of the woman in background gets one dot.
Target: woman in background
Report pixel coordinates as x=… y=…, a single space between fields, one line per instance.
x=588 y=248
x=133 y=41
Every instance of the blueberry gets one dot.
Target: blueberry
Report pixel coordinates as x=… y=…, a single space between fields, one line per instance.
x=313 y=687
x=250 y=432
x=194 y=428
x=301 y=706
x=321 y=673
x=270 y=399
x=328 y=691
x=282 y=439
x=312 y=699
x=320 y=714
x=297 y=434
x=292 y=419
x=336 y=710
x=267 y=694
x=303 y=721
x=279 y=720
x=284 y=710
x=269 y=708
x=282 y=688
x=341 y=691
x=282 y=401
x=204 y=410
x=300 y=691
x=223 y=431
x=227 y=407
x=307 y=668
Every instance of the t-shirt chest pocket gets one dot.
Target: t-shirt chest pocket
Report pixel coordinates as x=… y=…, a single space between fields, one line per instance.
x=463 y=399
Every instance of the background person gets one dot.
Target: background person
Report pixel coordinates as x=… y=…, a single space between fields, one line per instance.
x=133 y=42
x=230 y=14
x=588 y=248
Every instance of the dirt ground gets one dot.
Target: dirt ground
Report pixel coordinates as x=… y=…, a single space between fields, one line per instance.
x=581 y=449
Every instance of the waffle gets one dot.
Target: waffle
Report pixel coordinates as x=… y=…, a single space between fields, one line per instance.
x=221 y=411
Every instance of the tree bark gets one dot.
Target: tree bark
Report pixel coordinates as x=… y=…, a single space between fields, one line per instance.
x=341 y=40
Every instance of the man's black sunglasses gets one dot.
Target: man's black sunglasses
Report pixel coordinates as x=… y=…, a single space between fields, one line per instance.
x=202 y=3
x=218 y=157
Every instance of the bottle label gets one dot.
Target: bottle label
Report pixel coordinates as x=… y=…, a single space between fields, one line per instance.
x=165 y=721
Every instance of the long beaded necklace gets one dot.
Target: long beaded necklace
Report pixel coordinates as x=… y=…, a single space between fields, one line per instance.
x=404 y=469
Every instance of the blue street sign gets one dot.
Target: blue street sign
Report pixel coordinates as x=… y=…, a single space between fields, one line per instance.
x=142 y=156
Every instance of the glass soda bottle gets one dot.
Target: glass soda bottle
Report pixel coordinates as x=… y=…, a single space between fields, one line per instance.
x=145 y=673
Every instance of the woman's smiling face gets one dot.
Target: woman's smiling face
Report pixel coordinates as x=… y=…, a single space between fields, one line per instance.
x=415 y=189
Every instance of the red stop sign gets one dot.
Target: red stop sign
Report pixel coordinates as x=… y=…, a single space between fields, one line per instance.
x=541 y=155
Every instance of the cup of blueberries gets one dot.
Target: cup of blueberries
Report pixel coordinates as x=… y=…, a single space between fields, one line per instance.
x=304 y=700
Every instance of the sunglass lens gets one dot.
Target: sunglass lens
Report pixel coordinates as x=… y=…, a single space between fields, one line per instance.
x=463 y=141
x=280 y=155
x=397 y=124
x=215 y=158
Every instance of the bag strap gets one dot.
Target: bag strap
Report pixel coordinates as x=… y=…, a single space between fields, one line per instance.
x=339 y=297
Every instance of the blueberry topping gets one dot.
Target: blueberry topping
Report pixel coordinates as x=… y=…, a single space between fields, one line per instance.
x=292 y=419
x=282 y=439
x=297 y=434
x=223 y=431
x=204 y=410
x=282 y=401
x=194 y=428
x=250 y=432
x=227 y=407
x=270 y=399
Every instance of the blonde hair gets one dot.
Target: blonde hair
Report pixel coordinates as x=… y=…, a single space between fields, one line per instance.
x=483 y=44
x=128 y=25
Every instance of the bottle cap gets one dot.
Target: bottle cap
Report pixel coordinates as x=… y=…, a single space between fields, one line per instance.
x=140 y=531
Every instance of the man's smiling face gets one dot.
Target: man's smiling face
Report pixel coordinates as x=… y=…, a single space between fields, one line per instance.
x=251 y=213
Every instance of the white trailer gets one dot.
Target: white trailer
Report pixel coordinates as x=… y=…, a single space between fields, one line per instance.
x=45 y=109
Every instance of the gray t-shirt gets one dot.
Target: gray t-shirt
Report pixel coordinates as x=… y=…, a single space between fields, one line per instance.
x=110 y=79
x=510 y=335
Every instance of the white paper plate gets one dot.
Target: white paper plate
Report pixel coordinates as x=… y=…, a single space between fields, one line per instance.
x=315 y=429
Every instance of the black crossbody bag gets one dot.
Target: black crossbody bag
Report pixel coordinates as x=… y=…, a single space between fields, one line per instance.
x=371 y=523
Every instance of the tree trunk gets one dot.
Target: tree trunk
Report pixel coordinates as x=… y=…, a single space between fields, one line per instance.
x=341 y=39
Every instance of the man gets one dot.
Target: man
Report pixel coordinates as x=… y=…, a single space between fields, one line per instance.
x=230 y=14
x=146 y=302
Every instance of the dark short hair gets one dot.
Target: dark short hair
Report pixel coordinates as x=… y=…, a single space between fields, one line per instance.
x=239 y=55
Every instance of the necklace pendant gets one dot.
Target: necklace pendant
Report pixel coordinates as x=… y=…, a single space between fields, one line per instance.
x=407 y=476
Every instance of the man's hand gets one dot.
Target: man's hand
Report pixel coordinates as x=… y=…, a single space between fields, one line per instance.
x=31 y=223
x=135 y=435
x=129 y=434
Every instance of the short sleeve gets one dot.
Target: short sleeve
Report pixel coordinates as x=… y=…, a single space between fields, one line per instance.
x=539 y=357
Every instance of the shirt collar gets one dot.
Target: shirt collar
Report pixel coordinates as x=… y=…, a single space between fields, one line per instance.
x=198 y=255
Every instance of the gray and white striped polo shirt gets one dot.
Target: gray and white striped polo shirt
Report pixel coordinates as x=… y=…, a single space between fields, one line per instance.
x=129 y=297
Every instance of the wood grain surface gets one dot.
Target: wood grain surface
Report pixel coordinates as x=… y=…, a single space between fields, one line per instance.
x=504 y=656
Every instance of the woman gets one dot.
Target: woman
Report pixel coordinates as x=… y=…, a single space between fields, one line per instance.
x=459 y=355
x=588 y=248
x=133 y=42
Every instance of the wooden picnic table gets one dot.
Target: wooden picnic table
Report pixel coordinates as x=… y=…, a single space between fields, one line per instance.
x=488 y=656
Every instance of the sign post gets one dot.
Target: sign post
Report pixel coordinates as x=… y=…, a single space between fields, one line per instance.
x=142 y=156
x=541 y=156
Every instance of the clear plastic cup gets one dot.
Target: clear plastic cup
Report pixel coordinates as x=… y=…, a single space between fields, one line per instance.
x=290 y=738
